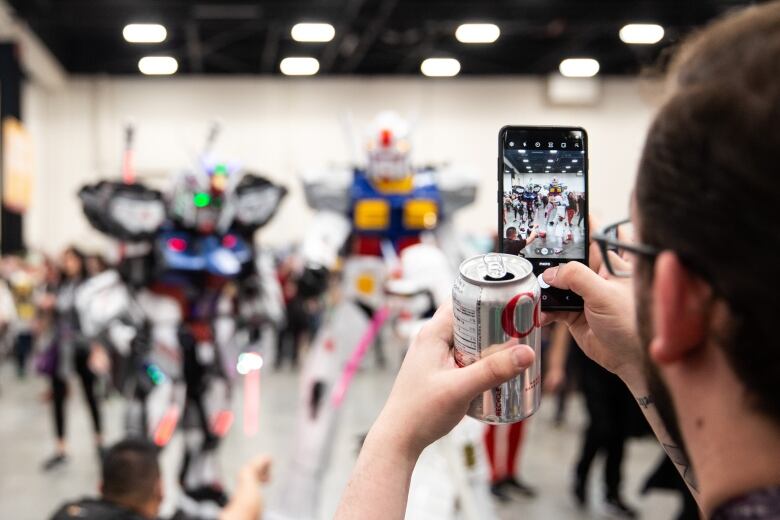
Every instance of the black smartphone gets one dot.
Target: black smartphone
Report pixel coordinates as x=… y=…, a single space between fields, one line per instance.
x=543 y=201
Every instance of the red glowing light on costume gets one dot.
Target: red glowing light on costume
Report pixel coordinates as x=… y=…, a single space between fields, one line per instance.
x=386 y=137
x=167 y=426
x=229 y=241
x=177 y=244
x=221 y=424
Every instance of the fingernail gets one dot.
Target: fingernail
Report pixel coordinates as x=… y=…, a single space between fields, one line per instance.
x=550 y=274
x=520 y=357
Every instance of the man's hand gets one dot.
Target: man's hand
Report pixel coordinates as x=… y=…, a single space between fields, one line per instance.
x=246 y=502
x=430 y=396
x=257 y=470
x=431 y=393
x=606 y=329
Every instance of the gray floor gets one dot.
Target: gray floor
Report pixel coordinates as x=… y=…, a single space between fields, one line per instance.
x=26 y=439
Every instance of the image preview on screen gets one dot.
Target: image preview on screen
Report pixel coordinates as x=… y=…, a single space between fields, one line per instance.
x=544 y=203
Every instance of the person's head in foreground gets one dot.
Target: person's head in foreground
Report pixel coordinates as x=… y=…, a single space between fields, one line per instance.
x=511 y=233
x=130 y=486
x=131 y=477
x=700 y=351
x=705 y=306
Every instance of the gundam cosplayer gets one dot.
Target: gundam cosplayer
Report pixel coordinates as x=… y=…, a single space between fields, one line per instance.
x=555 y=218
x=186 y=308
x=386 y=221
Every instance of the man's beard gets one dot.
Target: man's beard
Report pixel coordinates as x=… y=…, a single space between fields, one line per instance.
x=656 y=386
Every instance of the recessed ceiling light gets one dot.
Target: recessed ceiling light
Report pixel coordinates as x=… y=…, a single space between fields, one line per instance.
x=579 y=67
x=549 y=160
x=574 y=160
x=568 y=167
x=312 y=32
x=144 y=33
x=477 y=33
x=299 y=66
x=158 y=65
x=525 y=160
x=641 y=33
x=440 y=67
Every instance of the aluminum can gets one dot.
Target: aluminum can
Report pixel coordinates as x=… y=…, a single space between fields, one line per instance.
x=496 y=297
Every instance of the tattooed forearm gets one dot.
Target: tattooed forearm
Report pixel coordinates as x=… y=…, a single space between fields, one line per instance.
x=645 y=401
x=675 y=453
x=681 y=460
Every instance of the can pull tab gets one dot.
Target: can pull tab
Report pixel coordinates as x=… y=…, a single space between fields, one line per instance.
x=495 y=267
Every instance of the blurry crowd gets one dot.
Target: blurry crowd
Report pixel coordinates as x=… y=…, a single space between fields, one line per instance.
x=40 y=333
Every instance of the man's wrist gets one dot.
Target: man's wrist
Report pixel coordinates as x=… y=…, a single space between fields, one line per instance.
x=389 y=440
x=634 y=378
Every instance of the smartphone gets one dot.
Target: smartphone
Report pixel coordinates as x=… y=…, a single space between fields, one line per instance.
x=543 y=200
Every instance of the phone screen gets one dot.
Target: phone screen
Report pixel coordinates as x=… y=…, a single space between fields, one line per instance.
x=543 y=199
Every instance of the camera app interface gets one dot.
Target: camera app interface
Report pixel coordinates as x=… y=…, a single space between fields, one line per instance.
x=544 y=201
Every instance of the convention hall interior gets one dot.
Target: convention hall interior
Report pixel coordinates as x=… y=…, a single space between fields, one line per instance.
x=223 y=223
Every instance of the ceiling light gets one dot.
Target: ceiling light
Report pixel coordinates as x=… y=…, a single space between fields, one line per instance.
x=568 y=167
x=477 y=33
x=158 y=65
x=299 y=66
x=144 y=33
x=525 y=160
x=579 y=67
x=574 y=160
x=312 y=32
x=641 y=33
x=440 y=67
x=549 y=160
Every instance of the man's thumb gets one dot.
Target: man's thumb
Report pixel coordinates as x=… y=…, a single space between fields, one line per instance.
x=494 y=369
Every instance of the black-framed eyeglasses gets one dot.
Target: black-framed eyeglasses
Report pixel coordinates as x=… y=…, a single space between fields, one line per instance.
x=618 y=239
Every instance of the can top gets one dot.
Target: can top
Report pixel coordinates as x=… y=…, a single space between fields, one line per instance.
x=495 y=268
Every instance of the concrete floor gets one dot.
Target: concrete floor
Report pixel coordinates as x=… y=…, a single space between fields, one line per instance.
x=26 y=439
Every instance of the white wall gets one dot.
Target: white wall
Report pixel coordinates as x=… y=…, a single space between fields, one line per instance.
x=279 y=126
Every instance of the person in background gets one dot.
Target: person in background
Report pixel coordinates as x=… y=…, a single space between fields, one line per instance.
x=96 y=264
x=22 y=283
x=131 y=488
x=69 y=351
x=513 y=244
x=571 y=208
x=582 y=209
x=612 y=419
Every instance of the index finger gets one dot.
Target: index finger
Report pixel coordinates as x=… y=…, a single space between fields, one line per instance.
x=440 y=326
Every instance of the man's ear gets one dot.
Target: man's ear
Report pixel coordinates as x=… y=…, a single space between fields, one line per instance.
x=680 y=310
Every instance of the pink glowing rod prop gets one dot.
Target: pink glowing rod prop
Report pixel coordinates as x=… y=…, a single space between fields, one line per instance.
x=357 y=355
x=251 y=403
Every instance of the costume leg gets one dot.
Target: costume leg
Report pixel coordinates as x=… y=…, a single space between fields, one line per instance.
x=490 y=446
x=515 y=443
x=317 y=417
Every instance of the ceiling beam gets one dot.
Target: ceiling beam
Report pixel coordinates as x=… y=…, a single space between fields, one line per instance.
x=370 y=35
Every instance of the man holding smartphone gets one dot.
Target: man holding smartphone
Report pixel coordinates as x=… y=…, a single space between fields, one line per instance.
x=700 y=353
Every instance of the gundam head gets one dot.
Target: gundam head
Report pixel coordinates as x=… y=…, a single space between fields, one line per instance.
x=556 y=188
x=200 y=198
x=389 y=161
